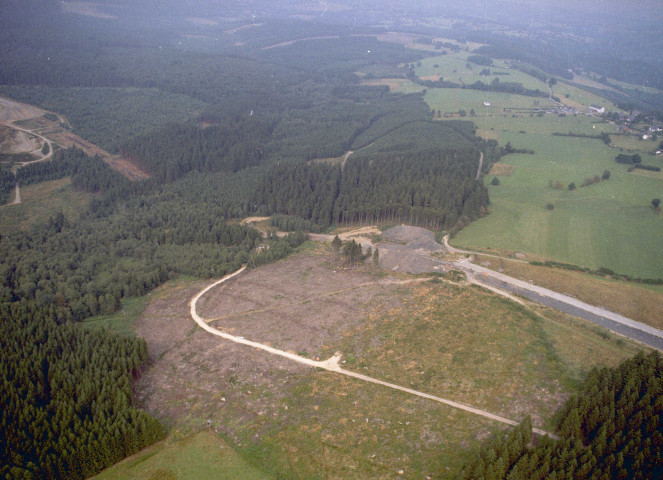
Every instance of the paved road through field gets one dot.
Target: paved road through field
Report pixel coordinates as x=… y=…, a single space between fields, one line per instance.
x=612 y=321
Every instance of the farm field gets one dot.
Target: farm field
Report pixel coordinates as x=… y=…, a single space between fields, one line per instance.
x=579 y=98
x=447 y=339
x=505 y=124
x=610 y=224
x=636 y=144
x=454 y=67
x=450 y=100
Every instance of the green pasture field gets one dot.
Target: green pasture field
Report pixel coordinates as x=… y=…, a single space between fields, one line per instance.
x=396 y=85
x=501 y=122
x=198 y=457
x=454 y=68
x=450 y=100
x=610 y=224
x=579 y=98
x=636 y=144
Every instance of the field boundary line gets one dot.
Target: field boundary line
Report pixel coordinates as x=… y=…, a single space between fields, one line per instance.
x=332 y=364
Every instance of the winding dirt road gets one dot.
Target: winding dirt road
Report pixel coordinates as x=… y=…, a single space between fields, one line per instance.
x=332 y=364
x=480 y=166
x=17 y=198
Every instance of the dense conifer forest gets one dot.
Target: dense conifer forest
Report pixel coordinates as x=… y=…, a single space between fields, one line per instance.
x=612 y=430
x=433 y=189
x=228 y=128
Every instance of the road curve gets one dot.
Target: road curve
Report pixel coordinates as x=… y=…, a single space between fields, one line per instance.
x=31 y=132
x=332 y=364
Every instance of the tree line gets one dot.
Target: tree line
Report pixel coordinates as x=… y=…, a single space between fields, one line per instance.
x=612 y=430
x=66 y=408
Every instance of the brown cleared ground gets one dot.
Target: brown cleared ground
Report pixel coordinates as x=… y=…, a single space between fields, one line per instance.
x=450 y=340
x=501 y=170
x=305 y=311
x=14 y=141
x=33 y=119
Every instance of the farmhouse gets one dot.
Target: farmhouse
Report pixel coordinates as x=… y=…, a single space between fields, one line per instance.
x=596 y=109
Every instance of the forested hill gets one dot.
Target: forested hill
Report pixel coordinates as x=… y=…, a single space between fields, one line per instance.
x=226 y=130
x=432 y=188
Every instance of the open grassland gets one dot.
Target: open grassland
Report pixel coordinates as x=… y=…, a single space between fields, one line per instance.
x=396 y=85
x=200 y=456
x=579 y=98
x=450 y=100
x=636 y=144
x=41 y=201
x=450 y=340
x=610 y=224
x=494 y=124
x=643 y=303
x=454 y=67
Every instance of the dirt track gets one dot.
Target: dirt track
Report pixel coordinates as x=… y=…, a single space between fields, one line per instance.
x=332 y=364
x=52 y=132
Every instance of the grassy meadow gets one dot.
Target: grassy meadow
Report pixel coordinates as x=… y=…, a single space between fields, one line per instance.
x=41 y=201
x=199 y=456
x=574 y=96
x=608 y=224
x=450 y=100
x=454 y=67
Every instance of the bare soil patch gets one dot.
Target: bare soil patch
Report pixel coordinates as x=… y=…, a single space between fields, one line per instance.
x=303 y=304
x=15 y=141
x=202 y=21
x=32 y=118
x=408 y=249
x=126 y=167
x=501 y=170
x=12 y=111
x=291 y=42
